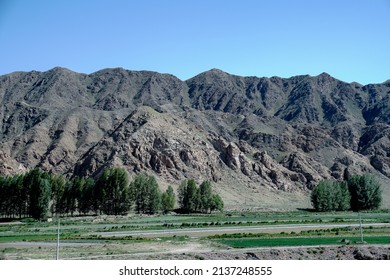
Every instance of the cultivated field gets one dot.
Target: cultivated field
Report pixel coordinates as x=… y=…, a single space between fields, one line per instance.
x=235 y=235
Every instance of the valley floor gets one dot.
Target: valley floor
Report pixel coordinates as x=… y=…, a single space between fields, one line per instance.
x=220 y=236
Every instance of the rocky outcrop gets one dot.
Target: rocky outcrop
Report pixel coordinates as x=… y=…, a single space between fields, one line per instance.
x=310 y=170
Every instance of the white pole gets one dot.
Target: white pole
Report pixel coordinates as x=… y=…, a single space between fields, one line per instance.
x=58 y=240
x=361 y=229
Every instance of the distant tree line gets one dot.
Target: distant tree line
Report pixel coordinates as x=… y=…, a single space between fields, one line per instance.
x=36 y=194
x=359 y=192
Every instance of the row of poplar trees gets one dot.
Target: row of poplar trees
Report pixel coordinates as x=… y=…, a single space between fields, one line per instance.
x=36 y=194
x=359 y=192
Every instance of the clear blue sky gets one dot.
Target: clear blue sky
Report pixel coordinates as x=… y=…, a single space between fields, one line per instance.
x=349 y=39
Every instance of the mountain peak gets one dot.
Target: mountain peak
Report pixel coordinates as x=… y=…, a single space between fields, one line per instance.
x=215 y=71
x=211 y=74
x=59 y=69
x=324 y=75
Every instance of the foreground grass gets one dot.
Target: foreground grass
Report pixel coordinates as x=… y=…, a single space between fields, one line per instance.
x=77 y=228
x=81 y=237
x=301 y=241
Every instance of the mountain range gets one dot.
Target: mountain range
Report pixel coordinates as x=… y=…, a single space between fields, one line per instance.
x=264 y=143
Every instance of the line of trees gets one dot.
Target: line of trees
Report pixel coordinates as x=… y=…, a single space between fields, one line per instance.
x=36 y=194
x=198 y=199
x=359 y=192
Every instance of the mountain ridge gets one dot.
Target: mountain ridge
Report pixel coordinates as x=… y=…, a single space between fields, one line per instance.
x=60 y=68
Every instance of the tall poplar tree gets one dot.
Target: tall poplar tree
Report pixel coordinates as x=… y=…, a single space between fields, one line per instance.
x=39 y=190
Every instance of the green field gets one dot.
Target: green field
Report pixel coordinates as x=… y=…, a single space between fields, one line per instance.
x=302 y=241
x=113 y=235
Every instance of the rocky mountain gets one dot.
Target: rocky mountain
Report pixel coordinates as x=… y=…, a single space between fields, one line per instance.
x=263 y=142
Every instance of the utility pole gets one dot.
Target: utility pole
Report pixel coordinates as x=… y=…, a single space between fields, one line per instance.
x=361 y=229
x=58 y=240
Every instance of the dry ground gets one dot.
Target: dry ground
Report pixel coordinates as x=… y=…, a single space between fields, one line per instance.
x=190 y=249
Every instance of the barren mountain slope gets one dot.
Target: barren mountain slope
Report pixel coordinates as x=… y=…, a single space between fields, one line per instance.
x=264 y=142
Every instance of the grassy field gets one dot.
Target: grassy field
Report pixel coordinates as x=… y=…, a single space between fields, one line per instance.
x=32 y=239
x=303 y=241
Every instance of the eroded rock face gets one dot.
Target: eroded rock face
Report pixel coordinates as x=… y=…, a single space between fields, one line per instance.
x=10 y=166
x=176 y=154
x=253 y=137
x=311 y=170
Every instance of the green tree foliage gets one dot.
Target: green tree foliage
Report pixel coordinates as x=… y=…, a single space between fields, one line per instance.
x=181 y=191
x=70 y=196
x=58 y=198
x=365 y=192
x=71 y=193
x=189 y=196
x=85 y=202
x=97 y=193
x=360 y=192
x=138 y=191
x=38 y=185
x=192 y=196
x=114 y=191
x=153 y=197
x=344 y=200
x=145 y=193
x=205 y=197
x=216 y=203
x=3 y=196
x=330 y=196
x=32 y=193
x=19 y=197
x=168 y=200
x=13 y=196
x=193 y=199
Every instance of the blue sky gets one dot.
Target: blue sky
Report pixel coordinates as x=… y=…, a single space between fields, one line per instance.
x=350 y=40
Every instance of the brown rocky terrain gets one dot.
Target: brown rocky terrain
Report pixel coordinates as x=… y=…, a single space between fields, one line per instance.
x=363 y=252
x=263 y=142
